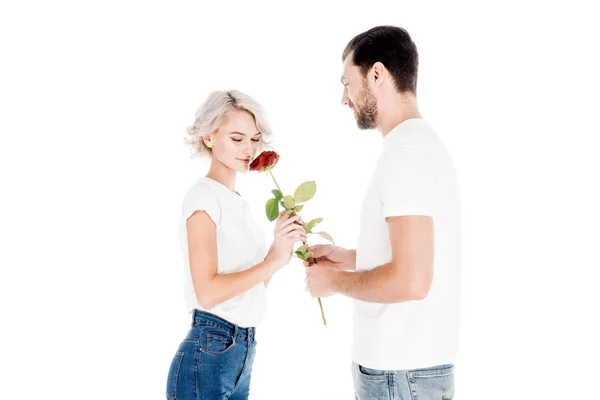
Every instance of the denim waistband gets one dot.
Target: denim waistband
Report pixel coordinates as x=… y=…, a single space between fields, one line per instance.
x=205 y=318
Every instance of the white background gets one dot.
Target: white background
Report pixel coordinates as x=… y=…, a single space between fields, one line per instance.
x=95 y=99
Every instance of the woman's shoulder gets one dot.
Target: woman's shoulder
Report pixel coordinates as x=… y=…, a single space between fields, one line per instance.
x=201 y=196
x=201 y=188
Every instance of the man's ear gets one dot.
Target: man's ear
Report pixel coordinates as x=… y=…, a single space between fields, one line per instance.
x=379 y=73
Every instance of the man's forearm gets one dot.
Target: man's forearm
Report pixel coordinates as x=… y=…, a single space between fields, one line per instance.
x=380 y=285
x=353 y=259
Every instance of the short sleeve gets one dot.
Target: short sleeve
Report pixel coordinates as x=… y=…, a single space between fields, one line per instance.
x=407 y=183
x=202 y=198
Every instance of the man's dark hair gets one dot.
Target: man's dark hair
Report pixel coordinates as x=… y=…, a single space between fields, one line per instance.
x=393 y=47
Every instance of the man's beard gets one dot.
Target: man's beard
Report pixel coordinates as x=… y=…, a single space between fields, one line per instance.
x=366 y=115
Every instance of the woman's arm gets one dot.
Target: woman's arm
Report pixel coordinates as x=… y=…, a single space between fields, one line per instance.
x=210 y=287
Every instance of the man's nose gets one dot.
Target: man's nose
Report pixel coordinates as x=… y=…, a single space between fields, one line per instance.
x=345 y=97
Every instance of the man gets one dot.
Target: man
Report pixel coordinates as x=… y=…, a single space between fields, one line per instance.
x=404 y=273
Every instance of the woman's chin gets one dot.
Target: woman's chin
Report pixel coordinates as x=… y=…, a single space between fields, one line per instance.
x=241 y=169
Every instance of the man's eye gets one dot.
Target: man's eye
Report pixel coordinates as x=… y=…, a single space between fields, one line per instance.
x=256 y=140
x=237 y=140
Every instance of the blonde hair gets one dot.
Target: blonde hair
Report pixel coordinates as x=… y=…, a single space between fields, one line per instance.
x=210 y=116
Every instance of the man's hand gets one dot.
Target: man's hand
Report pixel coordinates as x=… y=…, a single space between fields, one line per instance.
x=319 y=280
x=332 y=256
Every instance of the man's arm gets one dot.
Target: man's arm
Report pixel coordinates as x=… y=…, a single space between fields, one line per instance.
x=352 y=259
x=407 y=277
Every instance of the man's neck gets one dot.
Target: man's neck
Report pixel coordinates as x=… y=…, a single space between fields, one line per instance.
x=399 y=109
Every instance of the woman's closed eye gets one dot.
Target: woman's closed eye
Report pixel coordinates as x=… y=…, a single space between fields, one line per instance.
x=239 y=140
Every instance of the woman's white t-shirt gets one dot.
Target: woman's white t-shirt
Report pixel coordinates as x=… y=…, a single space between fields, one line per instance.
x=240 y=245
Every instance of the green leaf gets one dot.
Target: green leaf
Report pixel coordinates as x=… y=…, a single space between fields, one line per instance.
x=308 y=255
x=305 y=191
x=312 y=224
x=278 y=195
x=326 y=236
x=302 y=248
x=289 y=202
x=299 y=208
x=289 y=212
x=300 y=254
x=272 y=209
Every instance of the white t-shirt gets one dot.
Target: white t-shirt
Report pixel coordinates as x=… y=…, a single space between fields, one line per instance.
x=240 y=245
x=414 y=176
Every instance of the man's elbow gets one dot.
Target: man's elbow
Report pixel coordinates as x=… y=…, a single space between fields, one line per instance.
x=418 y=292
x=414 y=290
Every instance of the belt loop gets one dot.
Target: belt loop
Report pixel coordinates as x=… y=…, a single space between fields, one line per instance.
x=235 y=332
x=193 y=317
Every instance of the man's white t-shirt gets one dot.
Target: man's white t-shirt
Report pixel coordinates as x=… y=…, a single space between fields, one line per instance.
x=414 y=176
x=240 y=245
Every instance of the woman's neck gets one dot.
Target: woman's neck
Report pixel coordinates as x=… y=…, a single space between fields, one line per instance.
x=220 y=173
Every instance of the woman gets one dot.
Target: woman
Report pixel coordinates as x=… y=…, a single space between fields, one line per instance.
x=226 y=271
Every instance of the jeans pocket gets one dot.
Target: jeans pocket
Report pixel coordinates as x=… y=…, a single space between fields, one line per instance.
x=218 y=344
x=436 y=382
x=215 y=341
x=173 y=376
x=371 y=383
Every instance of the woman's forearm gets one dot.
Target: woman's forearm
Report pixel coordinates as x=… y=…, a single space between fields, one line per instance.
x=222 y=287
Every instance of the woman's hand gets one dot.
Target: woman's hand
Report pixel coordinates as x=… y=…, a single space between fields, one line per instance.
x=288 y=230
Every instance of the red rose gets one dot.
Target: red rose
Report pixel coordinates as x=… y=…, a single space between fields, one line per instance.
x=264 y=160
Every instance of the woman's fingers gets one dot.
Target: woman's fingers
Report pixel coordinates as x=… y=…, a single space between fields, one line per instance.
x=295 y=238
x=301 y=238
x=294 y=231
x=297 y=235
x=290 y=221
x=288 y=228
x=285 y=221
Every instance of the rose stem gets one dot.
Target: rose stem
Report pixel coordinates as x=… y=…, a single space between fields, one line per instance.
x=276 y=184
x=304 y=242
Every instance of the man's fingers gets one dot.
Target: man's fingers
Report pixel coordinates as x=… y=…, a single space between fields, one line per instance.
x=322 y=262
x=319 y=250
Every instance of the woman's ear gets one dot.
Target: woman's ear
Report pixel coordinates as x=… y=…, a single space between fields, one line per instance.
x=208 y=141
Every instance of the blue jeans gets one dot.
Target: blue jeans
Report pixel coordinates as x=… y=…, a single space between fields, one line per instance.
x=214 y=361
x=419 y=384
